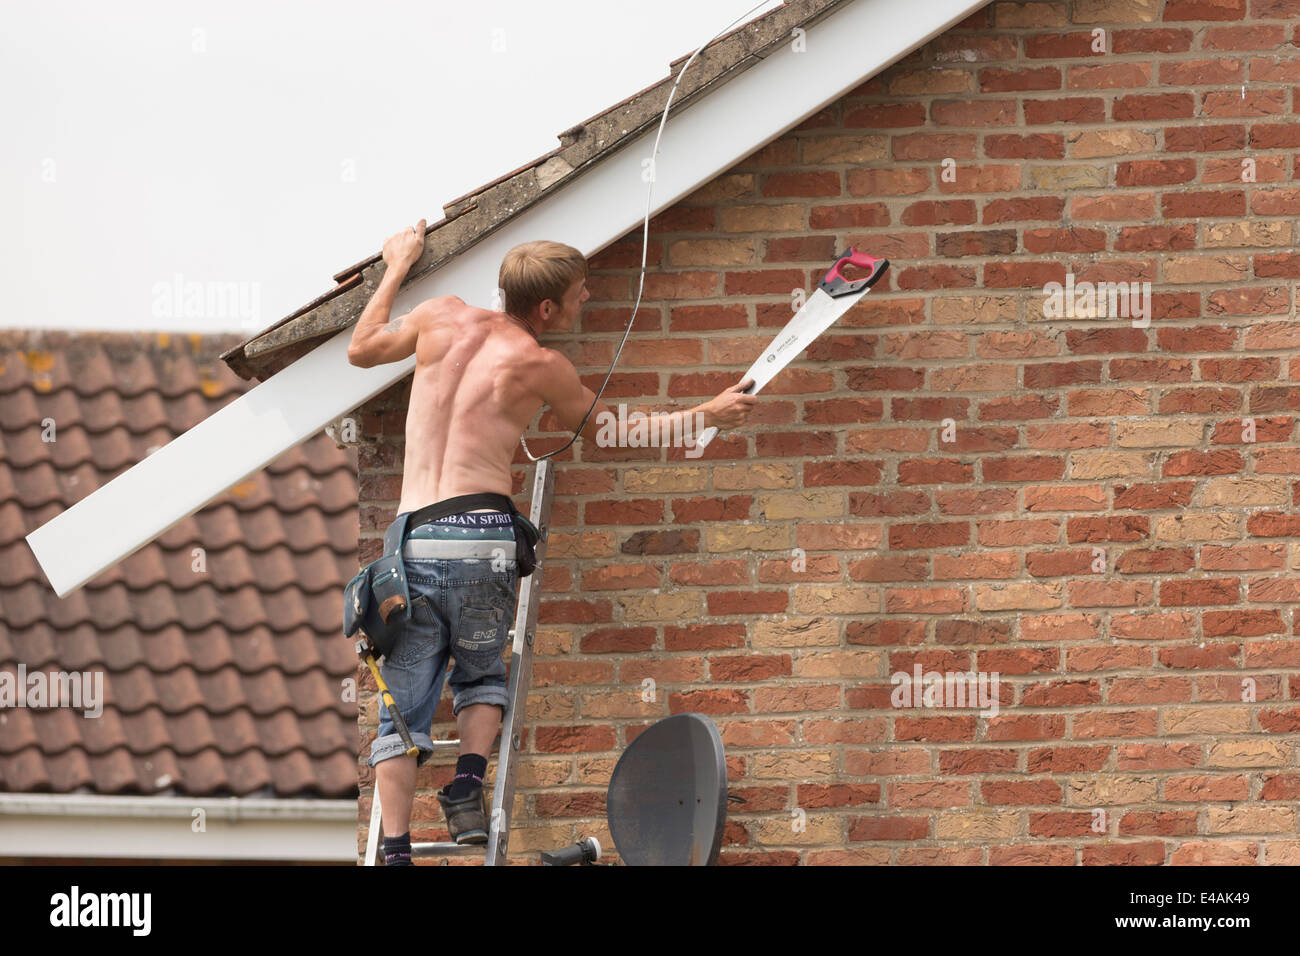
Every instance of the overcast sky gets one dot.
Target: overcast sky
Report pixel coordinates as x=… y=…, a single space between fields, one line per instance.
x=163 y=159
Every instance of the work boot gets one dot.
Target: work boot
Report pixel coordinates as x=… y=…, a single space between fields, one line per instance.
x=466 y=817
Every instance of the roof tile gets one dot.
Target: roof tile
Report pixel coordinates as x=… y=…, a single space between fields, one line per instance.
x=155 y=772
x=111 y=772
x=147 y=730
x=99 y=413
x=191 y=731
x=236 y=731
x=105 y=734
x=70 y=770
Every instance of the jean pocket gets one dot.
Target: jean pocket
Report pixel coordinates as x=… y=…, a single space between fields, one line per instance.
x=480 y=630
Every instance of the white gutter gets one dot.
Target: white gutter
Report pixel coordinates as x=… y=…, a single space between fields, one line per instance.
x=700 y=142
x=232 y=828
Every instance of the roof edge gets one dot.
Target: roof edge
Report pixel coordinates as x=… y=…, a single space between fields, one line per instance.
x=475 y=215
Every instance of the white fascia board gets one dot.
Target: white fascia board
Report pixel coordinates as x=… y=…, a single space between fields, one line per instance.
x=699 y=142
x=234 y=828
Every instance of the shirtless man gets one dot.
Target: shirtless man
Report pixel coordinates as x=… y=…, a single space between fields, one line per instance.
x=480 y=379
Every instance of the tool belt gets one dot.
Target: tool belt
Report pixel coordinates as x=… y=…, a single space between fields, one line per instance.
x=377 y=601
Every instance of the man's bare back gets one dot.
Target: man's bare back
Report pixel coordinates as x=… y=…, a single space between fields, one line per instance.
x=473 y=393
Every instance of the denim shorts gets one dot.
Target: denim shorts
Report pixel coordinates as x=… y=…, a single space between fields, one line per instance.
x=463 y=608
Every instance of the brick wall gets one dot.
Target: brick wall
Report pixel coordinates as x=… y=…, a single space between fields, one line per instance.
x=1097 y=509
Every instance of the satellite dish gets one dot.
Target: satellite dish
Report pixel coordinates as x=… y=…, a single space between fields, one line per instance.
x=667 y=799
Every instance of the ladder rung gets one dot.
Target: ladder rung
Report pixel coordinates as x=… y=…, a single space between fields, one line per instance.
x=444 y=745
x=447 y=849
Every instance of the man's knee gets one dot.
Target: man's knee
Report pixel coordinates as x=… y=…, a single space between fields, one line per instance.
x=395 y=764
x=391 y=746
x=479 y=707
x=476 y=703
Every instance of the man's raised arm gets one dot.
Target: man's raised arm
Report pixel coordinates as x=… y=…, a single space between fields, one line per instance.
x=376 y=340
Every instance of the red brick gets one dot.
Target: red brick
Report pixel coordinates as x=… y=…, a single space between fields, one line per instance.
x=933 y=471
x=1148 y=40
x=892 y=568
x=1204 y=10
x=732 y=508
x=936 y=534
x=1070 y=109
x=1204 y=138
x=1173 y=494
x=885 y=115
x=1153 y=106
x=1059 y=46
x=1265 y=36
x=947 y=212
x=1218 y=462
x=973 y=113
x=1000 y=80
x=1182 y=592
x=1005 y=275
x=1022 y=210
x=853 y=215
x=625 y=511
x=704 y=637
x=573 y=739
x=812 y=183
x=830 y=473
x=1071 y=239
x=1196 y=205
x=723 y=603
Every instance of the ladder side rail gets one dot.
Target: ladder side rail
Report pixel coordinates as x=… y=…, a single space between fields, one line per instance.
x=521 y=672
x=376 y=828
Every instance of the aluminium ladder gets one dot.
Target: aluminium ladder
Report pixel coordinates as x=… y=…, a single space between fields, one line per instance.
x=521 y=672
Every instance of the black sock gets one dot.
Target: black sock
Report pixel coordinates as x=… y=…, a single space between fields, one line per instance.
x=397 y=850
x=469 y=774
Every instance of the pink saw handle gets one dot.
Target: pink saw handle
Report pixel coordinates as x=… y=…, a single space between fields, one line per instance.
x=835 y=284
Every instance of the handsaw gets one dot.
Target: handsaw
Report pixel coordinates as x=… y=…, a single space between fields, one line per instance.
x=834 y=296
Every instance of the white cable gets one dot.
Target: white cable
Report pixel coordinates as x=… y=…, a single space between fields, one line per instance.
x=645 y=235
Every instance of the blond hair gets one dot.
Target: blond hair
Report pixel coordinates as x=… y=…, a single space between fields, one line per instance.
x=533 y=272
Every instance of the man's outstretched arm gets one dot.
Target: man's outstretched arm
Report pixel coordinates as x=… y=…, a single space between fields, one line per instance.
x=570 y=399
x=377 y=340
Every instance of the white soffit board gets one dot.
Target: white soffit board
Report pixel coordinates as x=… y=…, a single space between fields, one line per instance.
x=92 y=826
x=699 y=142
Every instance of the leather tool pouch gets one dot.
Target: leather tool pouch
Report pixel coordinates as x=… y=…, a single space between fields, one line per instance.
x=377 y=600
